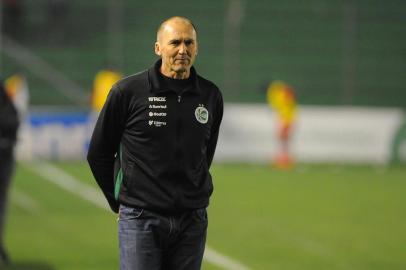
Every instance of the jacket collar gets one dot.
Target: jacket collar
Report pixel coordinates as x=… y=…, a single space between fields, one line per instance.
x=155 y=81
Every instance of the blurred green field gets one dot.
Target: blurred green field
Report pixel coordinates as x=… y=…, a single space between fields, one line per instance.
x=312 y=217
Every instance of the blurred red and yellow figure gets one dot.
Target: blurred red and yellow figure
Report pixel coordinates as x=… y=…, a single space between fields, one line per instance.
x=281 y=98
x=16 y=87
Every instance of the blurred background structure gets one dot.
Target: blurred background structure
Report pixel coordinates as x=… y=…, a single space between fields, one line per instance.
x=339 y=54
x=346 y=61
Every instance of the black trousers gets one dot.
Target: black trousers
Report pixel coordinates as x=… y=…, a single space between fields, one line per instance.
x=6 y=171
x=152 y=241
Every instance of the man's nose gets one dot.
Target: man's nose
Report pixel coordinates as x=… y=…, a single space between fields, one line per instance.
x=182 y=48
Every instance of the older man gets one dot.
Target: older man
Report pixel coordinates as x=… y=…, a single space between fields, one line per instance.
x=151 y=151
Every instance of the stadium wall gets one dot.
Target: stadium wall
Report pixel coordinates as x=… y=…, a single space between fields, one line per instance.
x=322 y=134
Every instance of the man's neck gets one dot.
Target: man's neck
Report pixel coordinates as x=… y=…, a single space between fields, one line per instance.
x=182 y=75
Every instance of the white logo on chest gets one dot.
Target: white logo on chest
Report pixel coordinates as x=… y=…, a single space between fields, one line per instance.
x=202 y=114
x=156 y=99
x=157 y=110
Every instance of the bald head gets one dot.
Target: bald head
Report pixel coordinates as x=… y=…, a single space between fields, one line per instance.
x=168 y=24
x=177 y=46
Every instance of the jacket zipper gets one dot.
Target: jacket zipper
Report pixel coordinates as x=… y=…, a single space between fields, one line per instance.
x=177 y=138
x=178 y=127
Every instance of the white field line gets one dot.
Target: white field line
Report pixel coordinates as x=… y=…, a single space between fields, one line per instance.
x=91 y=194
x=68 y=182
x=24 y=201
x=218 y=259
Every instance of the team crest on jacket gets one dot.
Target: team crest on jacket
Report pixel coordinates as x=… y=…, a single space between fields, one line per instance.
x=202 y=114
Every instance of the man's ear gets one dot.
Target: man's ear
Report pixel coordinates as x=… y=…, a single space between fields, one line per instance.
x=157 y=49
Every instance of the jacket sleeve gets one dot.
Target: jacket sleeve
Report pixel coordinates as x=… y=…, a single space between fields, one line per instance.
x=105 y=142
x=218 y=116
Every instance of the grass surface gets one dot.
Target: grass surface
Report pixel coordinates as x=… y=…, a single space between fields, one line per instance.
x=311 y=217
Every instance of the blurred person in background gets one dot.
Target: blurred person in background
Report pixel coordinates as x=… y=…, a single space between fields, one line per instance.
x=17 y=89
x=8 y=135
x=281 y=98
x=102 y=83
x=151 y=151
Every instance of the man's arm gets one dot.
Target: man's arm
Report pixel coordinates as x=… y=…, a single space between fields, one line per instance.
x=105 y=142
x=218 y=116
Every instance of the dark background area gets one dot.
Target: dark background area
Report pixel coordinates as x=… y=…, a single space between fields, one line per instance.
x=332 y=52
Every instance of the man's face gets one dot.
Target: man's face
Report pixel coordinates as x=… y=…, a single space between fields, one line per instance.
x=177 y=46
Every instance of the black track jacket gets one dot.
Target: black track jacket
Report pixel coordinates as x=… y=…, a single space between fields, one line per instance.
x=152 y=148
